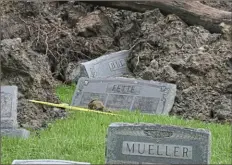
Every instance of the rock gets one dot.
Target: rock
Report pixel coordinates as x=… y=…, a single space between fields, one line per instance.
x=96 y=105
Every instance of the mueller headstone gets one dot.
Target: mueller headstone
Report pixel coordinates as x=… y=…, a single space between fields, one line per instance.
x=149 y=97
x=9 y=101
x=146 y=143
x=110 y=65
x=47 y=161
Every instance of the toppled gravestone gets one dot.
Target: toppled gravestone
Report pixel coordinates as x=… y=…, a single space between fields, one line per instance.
x=47 y=161
x=9 y=102
x=149 y=97
x=146 y=143
x=110 y=65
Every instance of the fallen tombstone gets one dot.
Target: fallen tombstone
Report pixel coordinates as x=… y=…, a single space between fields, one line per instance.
x=149 y=97
x=146 y=143
x=110 y=65
x=9 y=102
x=47 y=161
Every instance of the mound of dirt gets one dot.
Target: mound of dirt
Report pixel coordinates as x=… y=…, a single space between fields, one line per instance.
x=198 y=62
x=61 y=34
x=30 y=71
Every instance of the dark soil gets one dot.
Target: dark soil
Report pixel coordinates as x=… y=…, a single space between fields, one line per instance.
x=55 y=35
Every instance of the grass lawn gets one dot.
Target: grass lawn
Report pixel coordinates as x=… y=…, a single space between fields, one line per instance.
x=81 y=136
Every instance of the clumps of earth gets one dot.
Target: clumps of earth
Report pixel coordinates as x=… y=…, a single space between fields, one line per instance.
x=42 y=45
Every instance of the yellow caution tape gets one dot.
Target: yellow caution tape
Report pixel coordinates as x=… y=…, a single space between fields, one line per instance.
x=66 y=106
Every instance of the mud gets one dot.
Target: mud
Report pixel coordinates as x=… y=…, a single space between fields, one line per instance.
x=164 y=49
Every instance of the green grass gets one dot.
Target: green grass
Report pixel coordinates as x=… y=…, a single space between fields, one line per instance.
x=81 y=136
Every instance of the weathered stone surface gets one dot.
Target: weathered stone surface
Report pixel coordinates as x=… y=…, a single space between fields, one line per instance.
x=9 y=102
x=18 y=133
x=146 y=143
x=47 y=161
x=9 y=106
x=110 y=65
x=126 y=93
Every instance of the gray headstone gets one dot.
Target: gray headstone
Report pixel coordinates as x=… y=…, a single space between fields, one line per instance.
x=22 y=133
x=9 y=102
x=9 y=106
x=47 y=161
x=146 y=143
x=110 y=65
x=149 y=97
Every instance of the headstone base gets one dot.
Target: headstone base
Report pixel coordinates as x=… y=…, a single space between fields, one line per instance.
x=21 y=133
x=47 y=161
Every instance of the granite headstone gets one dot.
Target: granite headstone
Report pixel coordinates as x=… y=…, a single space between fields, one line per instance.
x=9 y=102
x=109 y=65
x=9 y=107
x=146 y=143
x=149 y=97
x=47 y=161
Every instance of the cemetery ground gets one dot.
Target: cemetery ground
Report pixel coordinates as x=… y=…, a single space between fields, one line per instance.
x=81 y=136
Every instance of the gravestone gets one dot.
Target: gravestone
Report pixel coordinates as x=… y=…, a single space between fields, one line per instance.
x=9 y=107
x=110 y=65
x=9 y=101
x=47 y=161
x=149 y=97
x=146 y=143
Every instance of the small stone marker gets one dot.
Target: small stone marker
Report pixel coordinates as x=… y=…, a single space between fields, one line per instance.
x=9 y=103
x=110 y=65
x=47 y=161
x=9 y=107
x=146 y=143
x=126 y=93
